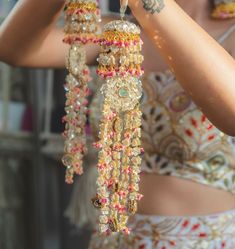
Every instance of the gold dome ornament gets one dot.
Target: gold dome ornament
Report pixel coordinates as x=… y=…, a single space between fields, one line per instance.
x=119 y=162
x=223 y=9
x=82 y=19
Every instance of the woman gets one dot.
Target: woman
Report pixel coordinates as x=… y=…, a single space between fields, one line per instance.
x=194 y=209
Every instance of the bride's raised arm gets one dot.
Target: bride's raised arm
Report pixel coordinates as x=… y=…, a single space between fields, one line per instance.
x=203 y=67
x=29 y=36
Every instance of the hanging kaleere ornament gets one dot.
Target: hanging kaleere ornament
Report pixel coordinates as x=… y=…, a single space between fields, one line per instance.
x=81 y=27
x=120 y=129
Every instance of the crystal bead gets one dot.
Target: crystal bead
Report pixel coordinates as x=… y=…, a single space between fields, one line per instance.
x=103 y=228
x=67 y=160
x=103 y=219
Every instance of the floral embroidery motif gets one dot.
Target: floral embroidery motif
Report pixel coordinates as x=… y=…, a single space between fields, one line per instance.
x=158 y=232
x=180 y=102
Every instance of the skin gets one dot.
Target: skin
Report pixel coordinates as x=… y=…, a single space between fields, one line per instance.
x=212 y=72
x=172 y=35
x=171 y=195
x=37 y=36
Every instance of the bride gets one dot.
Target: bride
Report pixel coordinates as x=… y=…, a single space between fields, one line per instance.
x=188 y=171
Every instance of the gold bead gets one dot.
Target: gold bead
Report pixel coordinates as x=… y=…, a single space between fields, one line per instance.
x=113 y=225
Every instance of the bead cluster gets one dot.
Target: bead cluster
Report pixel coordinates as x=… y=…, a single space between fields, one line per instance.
x=120 y=132
x=85 y=15
x=120 y=44
x=224 y=9
x=82 y=18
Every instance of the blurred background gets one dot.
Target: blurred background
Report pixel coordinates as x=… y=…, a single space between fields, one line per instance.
x=33 y=195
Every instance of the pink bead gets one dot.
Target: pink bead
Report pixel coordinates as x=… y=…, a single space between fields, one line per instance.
x=117 y=206
x=103 y=200
x=131 y=188
x=109 y=153
x=122 y=193
x=69 y=181
x=126 y=231
x=64 y=119
x=97 y=145
x=139 y=196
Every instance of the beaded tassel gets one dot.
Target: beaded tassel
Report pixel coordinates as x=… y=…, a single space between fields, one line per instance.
x=119 y=158
x=82 y=17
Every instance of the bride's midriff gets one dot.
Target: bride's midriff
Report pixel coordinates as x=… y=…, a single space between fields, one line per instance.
x=169 y=195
